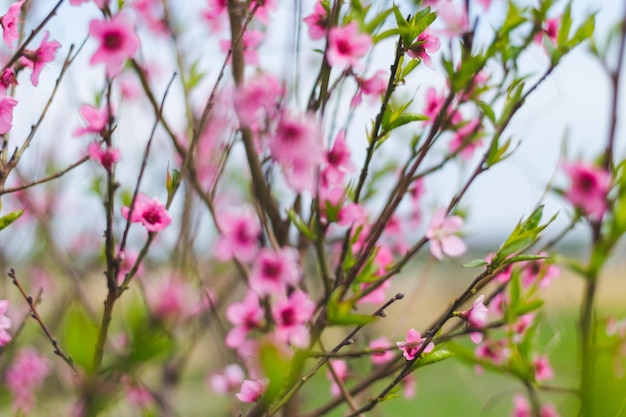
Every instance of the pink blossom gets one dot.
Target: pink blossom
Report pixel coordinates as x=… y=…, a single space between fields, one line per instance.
x=37 y=59
x=9 y=23
x=251 y=390
x=25 y=375
x=151 y=13
x=297 y=147
x=118 y=42
x=550 y=28
x=6 y=114
x=227 y=381
x=274 y=271
x=96 y=120
x=434 y=103
x=338 y=160
x=442 y=235
x=485 y=3
x=548 y=410
x=341 y=370
x=258 y=99
x=291 y=315
x=149 y=212
x=408 y=386
x=589 y=188
x=542 y=367
x=250 y=40
x=425 y=45
x=7 y=79
x=374 y=87
x=379 y=358
x=171 y=298
x=496 y=352
x=497 y=304
x=127 y=261
x=317 y=21
x=465 y=141
x=377 y=296
x=352 y=215
x=106 y=157
x=346 y=46
x=521 y=407
x=214 y=13
x=263 y=7
x=239 y=238
x=413 y=344
x=539 y=272
x=477 y=318
x=296 y=137
x=137 y=395
x=246 y=316
x=5 y=323
x=454 y=18
x=100 y=3
x=520 y=326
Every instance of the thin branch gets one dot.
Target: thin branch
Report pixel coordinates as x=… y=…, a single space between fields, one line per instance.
x=45 y=179
x=37 y=317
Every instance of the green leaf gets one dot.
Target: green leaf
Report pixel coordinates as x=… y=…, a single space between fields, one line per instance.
x=171 y=183
x=402 y=119
x=300 y=225
x=474 y=263
x=386 y=34
x=523 y=257
x=80 y=334
x=7 y=219
x=276 y=366
x=584 y=31
x=377 y=20
x=487 y=111
x=566 y=24
x=149 y=344
x=527 y=307
x=533 y=220
x=433 y=357
x=340 y=312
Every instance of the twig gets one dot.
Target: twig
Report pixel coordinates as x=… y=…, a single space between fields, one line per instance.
x=45 y=179
x=37 y=317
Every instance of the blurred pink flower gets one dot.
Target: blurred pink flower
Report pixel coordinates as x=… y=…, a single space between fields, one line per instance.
x=589 y=188
x=442 y=235
x=6 y=114
x=477 y=318
x=117 y=42
x=434 y=103
x=291 y=315
x=246 y=316
x=521 y=408
x=454 y=18
x=543 y=370
x=9 y=23
x=346 y=45
x=251 y=390
x=263 y=9
x=548 y=410
x=539 y=272
x=7 y=79
x=106 y=157
x=496 y=352
x=228 y=380
x=550 y=28
x=465 y=140
x=239 y=238
x=341 y=370
x=151 y=12
x=338 y=160
x=258 y=99
x=274 y=271
x=425 y=45
x=379 y=358
x=37 y=59
x=413 y=344
x=149 y=212
x=317 y=22
x=96 y=120
x=374 y=87
x=250 y=40
x=214 y=14
x=5 y=323
x=25 y=375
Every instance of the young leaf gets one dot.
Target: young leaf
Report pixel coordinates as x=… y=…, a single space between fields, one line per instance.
x=7 y=219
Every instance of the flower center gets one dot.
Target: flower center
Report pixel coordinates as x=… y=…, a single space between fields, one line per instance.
x=113 y=41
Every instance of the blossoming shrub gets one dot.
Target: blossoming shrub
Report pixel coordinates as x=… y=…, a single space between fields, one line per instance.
x=258 y=237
